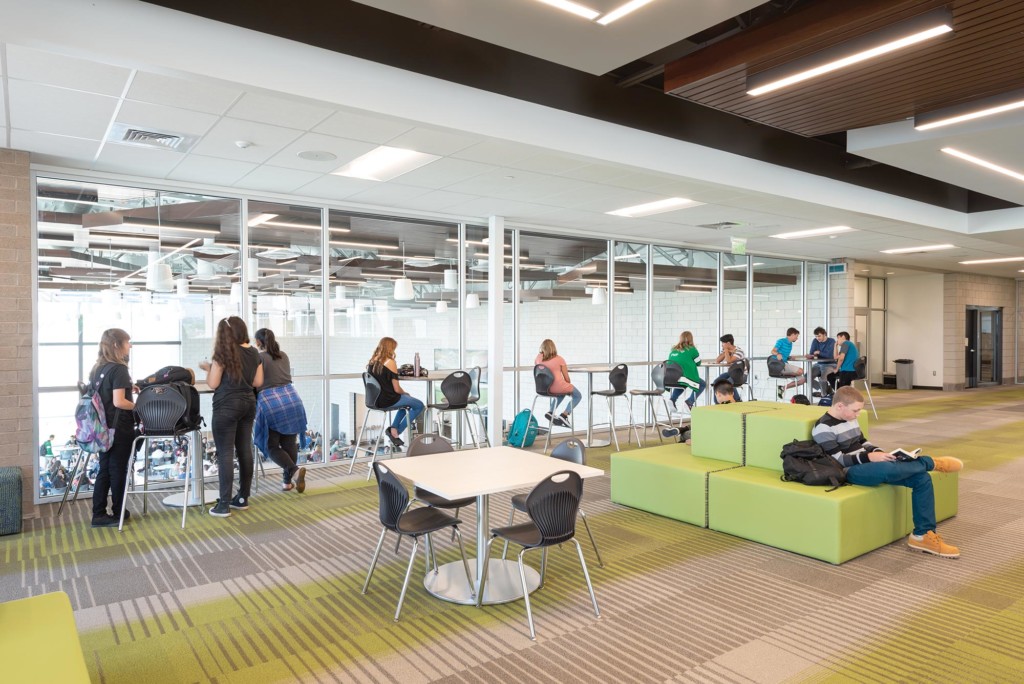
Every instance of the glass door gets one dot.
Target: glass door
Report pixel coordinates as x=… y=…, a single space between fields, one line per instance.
x=983 y=360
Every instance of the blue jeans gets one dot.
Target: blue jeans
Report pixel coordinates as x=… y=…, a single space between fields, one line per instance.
x=726 y=376
x=570 y=404
x=415 y=409
x=676 y=393
x=912 y=474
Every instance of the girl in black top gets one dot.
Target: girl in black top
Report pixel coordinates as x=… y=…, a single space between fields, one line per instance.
x=384 y=370
x=234 y=373
x=115 y=390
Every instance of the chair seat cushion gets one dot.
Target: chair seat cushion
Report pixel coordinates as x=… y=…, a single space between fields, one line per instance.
x=645 y=393
x=436 y=501
x=425 y=520
x=447 y=407
x=525 y=534
x=609 y=393
x=519 y=502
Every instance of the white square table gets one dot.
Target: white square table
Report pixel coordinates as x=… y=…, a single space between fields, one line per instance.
x=480 y=473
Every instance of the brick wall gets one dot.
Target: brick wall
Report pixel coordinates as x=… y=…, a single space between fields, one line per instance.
x=960 y=291
x=16 y=423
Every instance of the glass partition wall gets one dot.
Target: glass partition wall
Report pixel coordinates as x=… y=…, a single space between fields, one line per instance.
x=167 y=266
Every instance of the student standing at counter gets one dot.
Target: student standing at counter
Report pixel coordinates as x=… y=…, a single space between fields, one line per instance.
x=280 y=414
x=110 y=379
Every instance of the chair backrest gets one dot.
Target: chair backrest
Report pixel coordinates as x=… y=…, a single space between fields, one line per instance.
x=456 y=388
x=571 y=450
x=160 y=407
x=673 y=374
x=553 y=504
x=542 y=379
x=658 y=377
x=394 y=498
x=860 y=367
x=430 y=443
x=776 y=367
x=618 y=377
x=474 y=392
x=372 y=391
x=738 y=372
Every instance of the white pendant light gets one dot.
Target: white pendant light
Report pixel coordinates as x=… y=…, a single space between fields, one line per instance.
x=600 y=296
x=182 y=286
x=253 y=267
x=159 y=278
x=339 y=293
x=235 y=298
x=441 y=306
x=472 y=301
x=451 y=279
x=403 y=286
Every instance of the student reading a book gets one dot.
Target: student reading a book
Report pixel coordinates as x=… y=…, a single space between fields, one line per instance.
x=839 y=435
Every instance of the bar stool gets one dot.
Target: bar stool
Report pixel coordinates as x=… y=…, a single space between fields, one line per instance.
x=474 y=397
x=860 y=367
x=456 y=389
x=776 y=368
x=617 y=378
x=658 y=380
x=372 y=392
x=542 y=381
x=739 y=376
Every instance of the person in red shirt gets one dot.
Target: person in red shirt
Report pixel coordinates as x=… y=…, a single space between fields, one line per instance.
x=549 y=357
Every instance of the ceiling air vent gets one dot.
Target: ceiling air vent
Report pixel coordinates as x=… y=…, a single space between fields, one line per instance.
x=127 y=134
x=721 y=225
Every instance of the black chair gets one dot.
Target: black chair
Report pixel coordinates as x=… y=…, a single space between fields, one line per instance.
x=371 y=395
x=542 y=380
x=457 y=390
x=860 y=367
x=552 y=507
x=415 y=523
x=674 y=380
x=159 y=408
x=617 y=378
x=658 y=380
x=739 y=375
x=776 y=371
x=573 y=451
x=474 y=397
x=435 y=444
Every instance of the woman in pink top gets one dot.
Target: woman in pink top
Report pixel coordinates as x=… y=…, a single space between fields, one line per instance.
x=549 y=357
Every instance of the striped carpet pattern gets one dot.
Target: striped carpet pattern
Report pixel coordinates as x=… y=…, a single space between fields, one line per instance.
x=272 y=594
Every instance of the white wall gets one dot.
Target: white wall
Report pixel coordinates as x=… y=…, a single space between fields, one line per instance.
x=914 y=326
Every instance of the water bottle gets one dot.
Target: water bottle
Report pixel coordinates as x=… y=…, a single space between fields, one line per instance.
x=416 y=365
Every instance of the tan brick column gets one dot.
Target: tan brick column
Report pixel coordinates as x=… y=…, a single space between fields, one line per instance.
x=17 y=427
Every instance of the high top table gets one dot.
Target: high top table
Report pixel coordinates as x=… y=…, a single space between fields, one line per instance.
x=198 y=495
x=480 y=473
x=590 y=370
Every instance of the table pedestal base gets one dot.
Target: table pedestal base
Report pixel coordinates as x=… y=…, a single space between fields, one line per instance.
x=178 y=500
x=503 y=583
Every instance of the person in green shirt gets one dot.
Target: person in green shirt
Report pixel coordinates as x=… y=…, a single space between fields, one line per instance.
x=686 y=356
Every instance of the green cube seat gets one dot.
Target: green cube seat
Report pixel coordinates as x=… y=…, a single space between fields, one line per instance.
x=40 y=640
x=717 y=431
x=768 y=431
x=665 y=480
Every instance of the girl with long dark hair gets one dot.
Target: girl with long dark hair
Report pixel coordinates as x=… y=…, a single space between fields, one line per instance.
x=234 y=373
x=115 y=390
x=280 y=415
x=384 y=369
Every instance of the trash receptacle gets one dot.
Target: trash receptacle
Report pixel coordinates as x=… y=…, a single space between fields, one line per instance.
x=904 y=374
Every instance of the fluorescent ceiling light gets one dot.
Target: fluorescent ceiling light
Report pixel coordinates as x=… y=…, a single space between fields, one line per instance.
x=573 y=8
x=303 y=226
x=985 y=164
x=889 y=39
x=622 y=10
x=814 y=232
x=969 y=111
x=922 y=248
x=1001 y=260
x=369 y=245
x=385 y=163
x=172 y=227
x=742 y=266
x=262 y=218
x=651 y=208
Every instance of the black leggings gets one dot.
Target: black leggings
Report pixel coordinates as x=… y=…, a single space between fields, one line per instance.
x=232 y=433
x=284 y=451
x=112 y=475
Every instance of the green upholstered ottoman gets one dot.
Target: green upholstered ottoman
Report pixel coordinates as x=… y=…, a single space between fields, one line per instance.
x=835 y=526
x=10 y=500
x=717 y=431
x=39 y=641
x=665 y=480
x=768 y=431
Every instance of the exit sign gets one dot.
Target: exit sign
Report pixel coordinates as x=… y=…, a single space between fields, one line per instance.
x=837 y=269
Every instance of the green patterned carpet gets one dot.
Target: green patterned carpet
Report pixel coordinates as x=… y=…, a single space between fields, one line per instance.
x=273 y=593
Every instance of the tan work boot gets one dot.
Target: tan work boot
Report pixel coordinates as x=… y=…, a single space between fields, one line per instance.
x=932 y=543
x=947 y=464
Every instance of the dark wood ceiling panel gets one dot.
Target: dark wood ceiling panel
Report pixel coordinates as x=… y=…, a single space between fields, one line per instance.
x=981 y=57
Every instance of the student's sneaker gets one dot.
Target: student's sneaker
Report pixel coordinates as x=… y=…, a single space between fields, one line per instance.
x=947 y=464
x=780 y=392
x=670 y=432
x=240 y=503
x=221 y=510
x=560 y=421
x=550 y=416
x=105 y=521
x=932 y=543
x=300 y=480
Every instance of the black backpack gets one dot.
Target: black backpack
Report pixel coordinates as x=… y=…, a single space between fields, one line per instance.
x=167 y=375
x=806 y=462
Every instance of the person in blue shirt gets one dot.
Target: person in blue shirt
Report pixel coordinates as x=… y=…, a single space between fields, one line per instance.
x=846 y=358
x=782 y=349
x=823 y=347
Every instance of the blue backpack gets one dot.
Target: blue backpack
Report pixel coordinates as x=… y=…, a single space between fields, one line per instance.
x=524 y=430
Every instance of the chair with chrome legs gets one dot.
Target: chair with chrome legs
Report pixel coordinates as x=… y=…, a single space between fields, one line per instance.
x=371 y=396
x=474 y=398
x=552 y=507
x=860 y=367
x=456 y=389
x=739 y=376
x=658 y=380
x=435 y=444
x=415 y=523
x=573 y=451
x=542 y=380
x=617 y=378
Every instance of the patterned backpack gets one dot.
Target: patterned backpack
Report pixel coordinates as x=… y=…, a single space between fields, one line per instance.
x=91 y=430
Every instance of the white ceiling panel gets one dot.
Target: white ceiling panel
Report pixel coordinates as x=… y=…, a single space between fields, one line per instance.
x=48 y=109
x=598 y=173
x=161 y=117
x=276 y=179
x=550 y=163
x=279 y=111
x=200 y=169
x=377 y=129
x=344 y=150
x=438 y=200
x=487 y=206
x=388 y=194
x=142 y=161
x=185 y=94
x=266 y=140
x=68 y=72
x=497 y=152
x=79 y=149
x=335 y=187
x=431 y=141
x=444 y=172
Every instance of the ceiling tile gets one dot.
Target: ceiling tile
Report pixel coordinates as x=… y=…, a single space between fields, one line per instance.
x=344 y=150
x=79 y=149
x=279 y=111
x=598 y=173
x=68 y=72
x=497 y=152
x=335 y=187
x=550 y=162
x=438 y=200
x=177 y=92
x=492 y=206
x=137 y=160
x=276 y=179
x=266 y=140
x=388 y=194
x=444 y=172
x=200 y=169
x=160 y=117
x=48 y=109
x=431 y=141
x=371 y=128
x=641 y=181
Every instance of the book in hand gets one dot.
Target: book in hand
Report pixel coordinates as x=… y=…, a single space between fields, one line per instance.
x=904 y=455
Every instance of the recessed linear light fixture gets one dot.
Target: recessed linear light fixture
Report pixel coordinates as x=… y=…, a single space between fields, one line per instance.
x=623 y=10
x=260 y=219
x=883 y=41
x=652 y=208
x=385 y=163
x=367 y=245
x=968 y=111
x=813 y=232
x=742 y=266
x=983 y=163
x=914 y=250
x=303 y=226
x=573 y=8
x=1001 y=260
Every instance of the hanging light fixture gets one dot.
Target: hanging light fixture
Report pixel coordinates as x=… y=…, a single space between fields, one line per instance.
x=451 y=279
x=339 y=293
x=472 y=301
x=599 y=296
x=441 y=306
x=403 y=286
x=235 y=297
x=182 y=286
x=253 y=267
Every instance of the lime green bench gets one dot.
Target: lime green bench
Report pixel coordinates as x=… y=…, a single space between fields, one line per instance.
x=718 y=431
x=39 y=642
